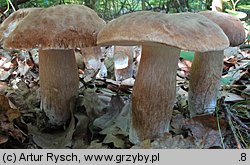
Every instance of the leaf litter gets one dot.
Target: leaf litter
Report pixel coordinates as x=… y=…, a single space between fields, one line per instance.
x=102 y=116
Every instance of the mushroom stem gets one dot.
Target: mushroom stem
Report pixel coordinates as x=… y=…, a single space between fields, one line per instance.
x=123 y=58
x=58 y=83
x=154 y=92
x=204 y=82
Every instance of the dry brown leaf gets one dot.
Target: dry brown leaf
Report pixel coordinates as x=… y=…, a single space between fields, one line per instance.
x=205 y=131
x=145 y=144
x=207 y=120
x=92 y=103
x=18 y=100
x=185 y=67
x=10 y=130
x=3 y=87
x=176 y=142
x=168 y=142
x=12 y=114
x=57 y=140
x=3 y=139
x=113 y=110
x=81 y=130
x=4 y=103
x=97 y=145
x=118 y=142
x=177 y=121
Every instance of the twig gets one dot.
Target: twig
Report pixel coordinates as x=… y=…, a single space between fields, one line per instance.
x=3 y=14
x=12 y=5
x=219 y=129
x=32 y=60
x=228 y=117
x=239 y=121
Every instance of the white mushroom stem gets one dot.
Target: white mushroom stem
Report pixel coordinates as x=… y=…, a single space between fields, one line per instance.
x=58 y=83
x=204 y=82
x=123 y=62
x=154 y=92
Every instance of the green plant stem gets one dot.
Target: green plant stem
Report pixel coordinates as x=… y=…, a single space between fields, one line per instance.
x=218 y=124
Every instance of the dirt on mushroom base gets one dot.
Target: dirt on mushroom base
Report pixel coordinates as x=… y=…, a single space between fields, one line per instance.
x=20 y=103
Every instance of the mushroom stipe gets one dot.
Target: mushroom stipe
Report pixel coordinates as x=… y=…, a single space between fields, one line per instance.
x=207 y=67
x=162 y=36
x=56 y=31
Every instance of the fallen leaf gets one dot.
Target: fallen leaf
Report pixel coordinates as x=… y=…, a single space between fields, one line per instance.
x=113 y=110
x=209 y=121
x=18 y=100
x=231 y=97
x=3 y=139
x=118 y=143
x=168 y=142
x=177 y=121
x=81 y=129
x=205 y=131
x=4 y=103
x=128 y=82
x=123 y=119
x=97 y=145
x=23 y=68
x=3 y=87
x=119 y=129
x=92 y=103
x=145 y=144
x=58 y=140
x=176 y=142
x=9 y=129
x=4 y=75
x=12 y=114
x=231 y=51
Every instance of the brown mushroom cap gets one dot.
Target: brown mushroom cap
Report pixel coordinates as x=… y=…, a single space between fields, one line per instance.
x=58 y=27
x=12 y=21
x=186 y=31
x=231 y=26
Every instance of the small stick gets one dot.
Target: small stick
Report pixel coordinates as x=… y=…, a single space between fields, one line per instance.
x=32 y=60
x=228 y=117
x=239 y=121
x=3 y=14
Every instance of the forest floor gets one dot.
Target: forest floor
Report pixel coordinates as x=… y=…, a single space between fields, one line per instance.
x=102 y=115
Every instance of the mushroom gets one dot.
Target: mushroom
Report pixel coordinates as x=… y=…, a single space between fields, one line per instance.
x=161 y=36
x=92 y=57
x=231 y=26
x=10 y=23
x=56 y=31
x=123 y=62
x=207 y=67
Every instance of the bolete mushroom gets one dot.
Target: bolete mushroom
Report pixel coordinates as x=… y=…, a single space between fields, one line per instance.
x=207 y=67
x=10 y=23
x=92 y=57
x=161 y=36
x=231 y=26
x=123 y=62
x=56 y=31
